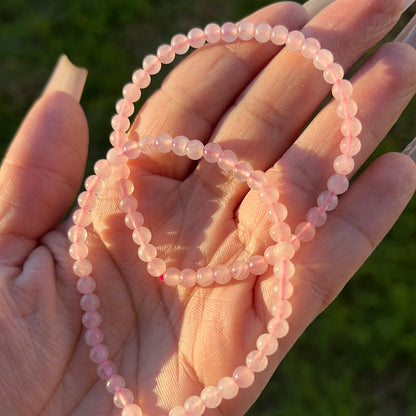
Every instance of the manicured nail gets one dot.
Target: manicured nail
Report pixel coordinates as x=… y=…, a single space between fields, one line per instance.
x=313 y=7
x=407 y=4
x=67 y=77
x=408 y=34
x=411 y=150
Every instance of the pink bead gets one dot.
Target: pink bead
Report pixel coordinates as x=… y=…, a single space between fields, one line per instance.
x=269 y=194
x=86 y=201
x=123 y=397
x=196 y=37
x=86 y=285
x=171 y=276
x=327 y=201
x=180 y=44
x=132 y=92
x=246 y=30
x=93 y=336
x=166 y=54
x=124 y=107
x=77 y=234
x=278 y=327
x=350 y=146
x=229 y=32
x=95 y=185
x=121 y=172
x=267 y=344
x=347 y=109
x=163 y=143
x=305 y=231
x=194 y=150
x=151 y=64
x=269 y=255
x=194 y=406
x=78 y=251
x=116 y=157
x=279 y=35
x=295 y=40
x=323 y=59
x=342 y=89
x=134 y=220
x=115 y=383
x=256 y=361
x=338 y=184
x=344 y=164
x=284 y=250
x=280 y=231
x=141 y=79
x=99 y=354
x=281 y=309
x=257 y=180
x=277 y=212
x=179 y=145
x=333 y=73
x=242 y=170
x=222 y=274
x=106 y=369
x=228 y=388
x=156 y=267
x=91 y=319
x=187 y=278
x=82 y=267
x=131 y=150
x=147 y=252
x=204 y=277
x=89 y=302
x=284 y=269
x=351 y=127
x=263 y=33
x=239 y=270
x=310 y=48
x=212 y=33
x=257 y=265
x=227 y=160
x=243 y=377
x=212 y=152
x=118 y=138
x=131 y=410
x=142 y=235
x=124 y=187
x=147 y=144
x=177 y=411
x=128 y=204
x=316 y=216
x=211 y=396
x=103 y=169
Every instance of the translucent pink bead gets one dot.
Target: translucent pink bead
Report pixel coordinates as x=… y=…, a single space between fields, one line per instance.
x=131 y=149
x=77 y=234
x=269 y=194
x=295 y=40
x=246 y=30
x=93 y=336
x=123 y=397
x=342 y=89
x=180 y=44
x=257 y=180
x=323 y=59
x=147 y=144
x=228 y=388
x=99 y=354
x=280 y=231
x=156 y=267
x=346 y=109
x=212 y=152
x=269 y=255
x=116 y=157
x=281 y=309
x=163 y=143
x=212 y=33
x=115 y=383
x=222 y=274
x=316 y=216
x=89 y=302
x=106 y=369
x=240 y=270
x=194 y=406
x=121 y=172
x=86 y=200
x=177 y=411
x=229 y=32
x=278 y=327
x=267 y=344
x=103 y=169
x=118 y=138
x=86 y=285
x=204 y=276
x=243 y=377
x=242 y=170
x=263 y=33
x=94 y=184
x=333 y=72
x=196 y=37
x=152 y=64
x=91 y=319
x=327 y=201
x=227 y=160
x=142 y=235
x=187 y=278
x=344 y=164
x=124 y=107
x=256 y=361
x=310 y=48
x=131 y=410
x=338 y=184
x=350 y=146
x=279 y=35
x=141 y=79
x=277 y=212
x=124 y=187
x=194 y=150
x=179 y=144
x=211 y=396
x=147 y=252
x=171 y=276
x=128 y=204
x=257 y=265
x=284 y=291
x=284 y=250
x=134 y=220
x=166 y=54
x=305 y=231
x=78 y=251
x=82 y=267
x=132 y=92
x=120 y=123
x=284 y=269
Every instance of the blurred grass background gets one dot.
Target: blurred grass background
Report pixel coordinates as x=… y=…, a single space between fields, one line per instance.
x=359 y=358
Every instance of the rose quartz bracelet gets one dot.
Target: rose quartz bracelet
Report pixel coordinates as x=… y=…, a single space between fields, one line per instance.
x=285 y=243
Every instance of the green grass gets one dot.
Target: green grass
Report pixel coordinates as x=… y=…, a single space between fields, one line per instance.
x=359 y=357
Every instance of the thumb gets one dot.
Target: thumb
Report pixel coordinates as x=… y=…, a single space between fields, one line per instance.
x=43 y=168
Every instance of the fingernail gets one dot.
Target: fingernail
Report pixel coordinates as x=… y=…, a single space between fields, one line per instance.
x=67 y=77
x=408 y=34
x=410 y=150
x=313 y=7
x=407 y=4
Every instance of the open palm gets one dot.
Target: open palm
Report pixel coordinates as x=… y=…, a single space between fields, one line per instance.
x=170 y=342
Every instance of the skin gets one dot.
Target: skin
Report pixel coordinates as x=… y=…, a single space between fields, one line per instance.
x=170 y=342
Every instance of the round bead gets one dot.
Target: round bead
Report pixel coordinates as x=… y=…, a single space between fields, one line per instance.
x=269 y=194
x=128 y=204
x=263 y=33
x=77 y=234
x=89 y=302
x=106 y=369
x=141 y=78
x=222 y=274
x=82 y=218
x=278 y=327
x=228 y=388
x=156 y=267
x=86 y=201
x=115 y=383
x=116 y=157
x=205 y=277
x=243 y=377
x=78 y=251
x=86 y=285
x=187 y=278
x=134 y=220
x=147 y=144
x=227 y=160
x=295 y=40
x=344 y=164
x=163 y=143
x=338 y=184
x=93 y=336
x=342 y=89
x=211 y=396
x=196 y=37
x=103 y=169
x=347 y=109
x=131 y=150
x=323 y=58
x=180 y=44
x=305 y=231
x=212 y=33
x=310 y=48
x=257 y=265
x=317 y=216
x=246 y=30
x=118 y=138
x=284 y=269
x=147 y=252
x=151 y=64
x=82 y=267
x=166 y=54
x=131 y=410
x=194 y=406
x=333 y=72
x=194 y=150
x=327 y=201
x=267 y=344
x=212 y=152
x=123 y=397
x=281 y=309
x=124 y=187
x=229 y=32
x=277 y=212
x=284 y=250
x=91 y=319
x=351 y=127
x=132 y=92
x=177 y=411
x=285 y=290
x=257 y=180
x=179 y=144
x=279 y=35
x=256 y=361
x=242 y=170
x=142 y=235
x=171 y=276
x=124 y=107
x=239 y=270
x=99 y=353
x=350 y=146
x=280 y=231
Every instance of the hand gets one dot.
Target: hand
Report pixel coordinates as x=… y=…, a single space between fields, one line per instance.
x=170 y=342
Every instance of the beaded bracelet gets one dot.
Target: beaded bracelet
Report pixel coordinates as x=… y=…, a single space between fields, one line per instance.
x=114 y=169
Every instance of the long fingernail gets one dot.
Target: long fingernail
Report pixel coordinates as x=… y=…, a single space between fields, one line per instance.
x=410 y=150
x=407 y=4
x=313 y=7
x=408 y=34
x=68 y=78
